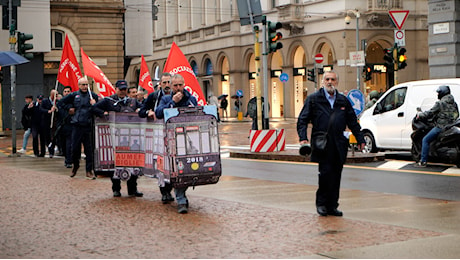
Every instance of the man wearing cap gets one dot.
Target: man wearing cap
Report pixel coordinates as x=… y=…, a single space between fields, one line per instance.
x=80 y=103
x=148 y=110
x=120 y=102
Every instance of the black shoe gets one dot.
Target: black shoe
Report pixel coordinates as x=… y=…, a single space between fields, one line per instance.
x=335 y=212
x=67 y=165
x=116 y=194
x=41 y=155
x=136 y=194
x=74 y=170
x=321 y=210
x=182 y=208
x=167 y=198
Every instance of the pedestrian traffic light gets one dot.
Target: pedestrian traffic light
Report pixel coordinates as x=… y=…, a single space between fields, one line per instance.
x=388 y=57
x=368 y=72
x=23 y=46
x=402 y=58
x=274 y=36
x=311 y=75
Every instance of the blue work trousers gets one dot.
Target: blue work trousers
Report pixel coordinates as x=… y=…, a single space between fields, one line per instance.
x=427 y=141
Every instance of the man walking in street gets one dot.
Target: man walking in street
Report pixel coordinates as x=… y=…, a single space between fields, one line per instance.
x=65 y=128
x=148 y=110
x=80 y=103
x=179 y=97
x=120 y=102
x=330 y=113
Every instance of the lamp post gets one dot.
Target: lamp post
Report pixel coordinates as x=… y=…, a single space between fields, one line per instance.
x=347 y=21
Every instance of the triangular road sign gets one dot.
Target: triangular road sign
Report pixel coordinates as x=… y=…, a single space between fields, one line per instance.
x=399 y=17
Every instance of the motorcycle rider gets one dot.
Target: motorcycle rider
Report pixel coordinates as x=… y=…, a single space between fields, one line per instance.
x=444 y=112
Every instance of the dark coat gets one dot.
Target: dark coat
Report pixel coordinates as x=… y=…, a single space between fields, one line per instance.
x=26 y=118
x=117 y=104
x=81 y=102
x=46 y=105
x=317 y=111
x=167 y=102
x=152 y=101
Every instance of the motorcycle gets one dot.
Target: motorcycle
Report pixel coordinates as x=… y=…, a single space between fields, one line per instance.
x=444 y=149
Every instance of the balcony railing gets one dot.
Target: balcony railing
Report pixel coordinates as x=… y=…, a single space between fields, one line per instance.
x=383 y=5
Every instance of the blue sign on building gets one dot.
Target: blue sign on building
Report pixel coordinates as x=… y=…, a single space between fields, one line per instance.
x=284 y=77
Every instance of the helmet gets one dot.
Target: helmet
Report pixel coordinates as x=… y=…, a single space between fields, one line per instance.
x=374 y=94
x=442 y=91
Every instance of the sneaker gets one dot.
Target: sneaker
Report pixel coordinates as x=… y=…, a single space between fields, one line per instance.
x=421 y=164
x=90 y=176
x=182 y=209
x=22 y=151
x=116 y=194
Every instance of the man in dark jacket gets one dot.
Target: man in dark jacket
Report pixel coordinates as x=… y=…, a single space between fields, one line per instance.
x=329 y=111
x=81 y=102
x=444 y=112
x=38 y=127
x=148 y=110
x=64 y=128
x=48 y=108
x=178 y=98
x=120 y=102
x=26 y=120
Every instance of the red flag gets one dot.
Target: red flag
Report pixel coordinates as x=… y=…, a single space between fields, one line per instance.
x=91 y=69
x=177 y=63
x=69 y=72
x=145 y=81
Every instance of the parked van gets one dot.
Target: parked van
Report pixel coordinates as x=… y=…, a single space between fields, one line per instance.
x=388 y=123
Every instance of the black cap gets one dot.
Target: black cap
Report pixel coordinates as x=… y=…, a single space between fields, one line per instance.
x=121 y=84
x=40 y=96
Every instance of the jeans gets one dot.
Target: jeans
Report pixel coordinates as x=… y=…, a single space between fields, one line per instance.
x=427 y=140
x=180 y=195
x=26 y=138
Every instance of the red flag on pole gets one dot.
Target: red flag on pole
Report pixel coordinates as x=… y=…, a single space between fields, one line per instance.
x=177 y=63
x=145 y=81
x=91 y=69
x=69 y=72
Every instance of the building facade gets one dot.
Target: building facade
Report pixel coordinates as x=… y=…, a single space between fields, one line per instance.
x=221 y=51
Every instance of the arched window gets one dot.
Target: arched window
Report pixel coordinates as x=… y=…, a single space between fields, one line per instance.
x=57 y=39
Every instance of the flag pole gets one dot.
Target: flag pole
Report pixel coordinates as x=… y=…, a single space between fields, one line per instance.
x=54 y=103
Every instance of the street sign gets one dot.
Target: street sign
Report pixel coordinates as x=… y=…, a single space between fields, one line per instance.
x=319 y=58
x=399 y=17
x=356 y=98
x=284 y=77
x=357 y=58
x=400 y=37
x=239 y=92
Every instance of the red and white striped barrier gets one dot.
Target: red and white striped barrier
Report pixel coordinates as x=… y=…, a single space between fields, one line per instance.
x=267 y=140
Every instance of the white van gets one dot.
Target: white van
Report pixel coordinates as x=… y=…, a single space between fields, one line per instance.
x=388 y=123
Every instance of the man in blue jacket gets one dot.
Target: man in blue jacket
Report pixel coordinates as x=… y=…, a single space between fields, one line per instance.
x=179 y=97
x=329 y=111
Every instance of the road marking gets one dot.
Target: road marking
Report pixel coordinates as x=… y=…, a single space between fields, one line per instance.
x=393 y=165
x=452 y=170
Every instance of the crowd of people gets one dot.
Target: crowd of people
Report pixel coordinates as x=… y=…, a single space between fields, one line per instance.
x=63 y=123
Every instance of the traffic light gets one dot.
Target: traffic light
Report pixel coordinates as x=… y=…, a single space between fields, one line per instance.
x=368 y=72
x=388 y=57
x=311 y=75
x=402 y=58
x=23 y=46
x=274 y=36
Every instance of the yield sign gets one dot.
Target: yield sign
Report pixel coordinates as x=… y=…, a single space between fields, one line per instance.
x=399 y=17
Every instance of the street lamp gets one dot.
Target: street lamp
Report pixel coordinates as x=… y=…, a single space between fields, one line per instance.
x=347 y=21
